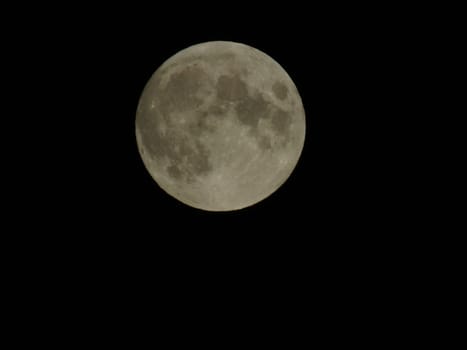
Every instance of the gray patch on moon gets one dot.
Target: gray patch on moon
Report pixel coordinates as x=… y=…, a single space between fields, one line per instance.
x=264 y=143
x=194 y=163
x=149 y=125
x=186 y=159
x=251 y=109
x=280 y=90
x=199 y=125
x=164 y=140
x=281 y=122
x=174 y=171
x=181 y=60
x=231 y=88
x=180 y=93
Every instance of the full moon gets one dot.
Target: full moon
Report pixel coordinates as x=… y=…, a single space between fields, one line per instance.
x=220 y=126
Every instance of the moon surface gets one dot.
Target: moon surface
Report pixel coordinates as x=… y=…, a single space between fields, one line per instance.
x=220 y=126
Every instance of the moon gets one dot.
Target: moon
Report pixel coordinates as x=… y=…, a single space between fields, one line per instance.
x=220 y=126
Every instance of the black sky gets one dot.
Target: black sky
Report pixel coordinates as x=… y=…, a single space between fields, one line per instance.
x=99 y=241
x=93 y=68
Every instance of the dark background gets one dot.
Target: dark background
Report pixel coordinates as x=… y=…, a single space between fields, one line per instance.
x=98 y=238
x=90 y=68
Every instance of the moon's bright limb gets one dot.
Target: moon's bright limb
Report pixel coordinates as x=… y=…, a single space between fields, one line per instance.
x=220 y=126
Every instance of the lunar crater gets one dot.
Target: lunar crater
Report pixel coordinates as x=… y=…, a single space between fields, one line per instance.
x=281 y=121
x=251 y=109
x=280 y=90
x=183 y=90
x=231 y=88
